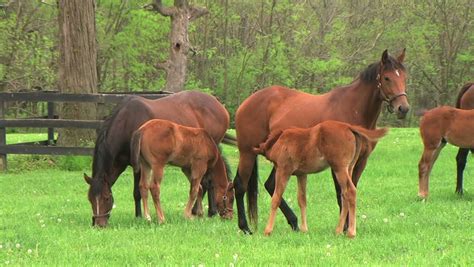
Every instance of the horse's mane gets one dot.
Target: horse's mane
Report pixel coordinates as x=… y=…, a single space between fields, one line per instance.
x=226 y=163
x=369 y=75
x=102 y=159
x=461 y=93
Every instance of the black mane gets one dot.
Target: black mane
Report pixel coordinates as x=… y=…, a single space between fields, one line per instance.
x=103 y=158
x=369 y=75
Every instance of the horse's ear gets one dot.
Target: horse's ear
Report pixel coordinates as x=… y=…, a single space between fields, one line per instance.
x=88 y=179
x=384 y=59
x=401 y=57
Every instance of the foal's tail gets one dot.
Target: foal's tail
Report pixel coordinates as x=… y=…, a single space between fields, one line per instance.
x=268 y=144
x=135 y=145
x=370 y=135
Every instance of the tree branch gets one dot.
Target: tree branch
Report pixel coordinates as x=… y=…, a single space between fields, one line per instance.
x=158 y=6
x=197 y=12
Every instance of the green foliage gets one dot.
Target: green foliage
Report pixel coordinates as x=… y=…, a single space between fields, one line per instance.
x=45 y=215
x=313 y=46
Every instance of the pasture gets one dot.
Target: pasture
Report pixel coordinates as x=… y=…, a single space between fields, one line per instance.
x=45 y=217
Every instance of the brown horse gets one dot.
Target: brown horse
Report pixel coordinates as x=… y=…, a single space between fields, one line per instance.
x=300 y=152
x=112 y=147
x=465 y=100
x=437 y=127
x=277 y=108
x=160 y=142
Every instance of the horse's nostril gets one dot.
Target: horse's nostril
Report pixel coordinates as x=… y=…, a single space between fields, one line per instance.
x=403 y=109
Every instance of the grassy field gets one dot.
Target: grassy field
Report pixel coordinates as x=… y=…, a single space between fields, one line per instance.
x=45 y=218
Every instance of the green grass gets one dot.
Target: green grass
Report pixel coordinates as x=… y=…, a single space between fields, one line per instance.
x=45 y=219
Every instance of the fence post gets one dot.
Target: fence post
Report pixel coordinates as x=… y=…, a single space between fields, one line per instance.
x=50 y=116
x=3 y=138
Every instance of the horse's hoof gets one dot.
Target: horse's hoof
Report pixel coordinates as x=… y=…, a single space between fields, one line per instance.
x=304 y=229
x=246 y=230
x=351 y=235
x=267 y=233
x=460 y=192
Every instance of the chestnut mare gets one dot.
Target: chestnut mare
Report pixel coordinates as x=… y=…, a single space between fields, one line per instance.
x=159 y=142
x=277 y=108
x=299 y=152
x=465 y=100
x=437 y=127
x=112 y=147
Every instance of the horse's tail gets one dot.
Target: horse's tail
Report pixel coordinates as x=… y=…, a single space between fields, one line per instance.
x=462 y=92
x=229 y=140
x=268 y=144
x=370 y=135
x=135 y=145
x=252 y=195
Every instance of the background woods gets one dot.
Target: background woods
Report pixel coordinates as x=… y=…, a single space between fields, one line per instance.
x=241 y=46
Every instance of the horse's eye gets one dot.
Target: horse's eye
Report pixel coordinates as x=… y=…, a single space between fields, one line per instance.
x=387 y=79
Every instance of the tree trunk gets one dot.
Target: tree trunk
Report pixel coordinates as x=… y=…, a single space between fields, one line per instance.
x=77 y=65
x=181 y=14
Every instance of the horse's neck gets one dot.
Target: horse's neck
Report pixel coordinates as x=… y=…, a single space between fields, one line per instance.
x=365 y=103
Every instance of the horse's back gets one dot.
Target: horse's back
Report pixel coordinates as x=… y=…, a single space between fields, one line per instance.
x=193 y=109
x=465 y=99
x=268 y=110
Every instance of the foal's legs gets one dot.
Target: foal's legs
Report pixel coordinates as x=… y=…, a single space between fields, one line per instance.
x=461 y=159
x=282 y=178
x=425 y=166
x=197 y=208
x=348 y=191
x=302 y=179
x=155 y=188
x=197 y=172
x=143 y=185
x=289 y=214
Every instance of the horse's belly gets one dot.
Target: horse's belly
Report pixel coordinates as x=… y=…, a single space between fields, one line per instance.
x=312 y=167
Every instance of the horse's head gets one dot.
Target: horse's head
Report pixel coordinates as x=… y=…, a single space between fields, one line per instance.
x=391 y=81
x=225 y=201
x=101 y=199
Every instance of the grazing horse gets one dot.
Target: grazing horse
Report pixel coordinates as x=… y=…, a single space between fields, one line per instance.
x=112 y=147
x=437 y=127
x=277 y=108
x=465 y=100
x=300 y=152
x=159 y=142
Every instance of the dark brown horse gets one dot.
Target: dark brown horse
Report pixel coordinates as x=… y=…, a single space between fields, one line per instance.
x=112 y=148
x=440 y=126
x=299 y=152
x=277 y=108
x=160 y=142
x=465 y=100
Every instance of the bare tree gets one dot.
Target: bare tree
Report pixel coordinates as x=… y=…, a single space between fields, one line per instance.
x=181 y=14
x=77 y=66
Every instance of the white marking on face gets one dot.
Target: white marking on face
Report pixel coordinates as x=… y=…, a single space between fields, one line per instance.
x=97 y=207
x=398 y=73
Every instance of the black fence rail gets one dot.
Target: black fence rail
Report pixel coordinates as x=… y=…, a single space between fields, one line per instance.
x=51 y=121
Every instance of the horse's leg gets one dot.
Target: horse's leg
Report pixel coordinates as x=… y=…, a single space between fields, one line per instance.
x=302 y=179
x=143 y=188
x=281 y=181
x=425 y=166
x=343 y=179
x=197 y=172
x=289 y=214
x=156 y=190
x=461 y=159
x=247 y=163
x=197 y=209
x=136 y=194
x=212 y=210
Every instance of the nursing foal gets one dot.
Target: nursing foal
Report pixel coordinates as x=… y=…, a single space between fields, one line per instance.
x=159 y=142
x=299 y=152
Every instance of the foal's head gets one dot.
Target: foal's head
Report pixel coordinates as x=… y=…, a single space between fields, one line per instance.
x=390 y=77
x=225 y=201
x=101 y=199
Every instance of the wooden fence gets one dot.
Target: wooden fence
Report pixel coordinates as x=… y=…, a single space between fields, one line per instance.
x=51 y=121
